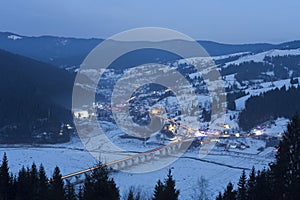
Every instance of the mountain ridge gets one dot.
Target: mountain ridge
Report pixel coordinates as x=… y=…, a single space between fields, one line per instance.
x=69 y=52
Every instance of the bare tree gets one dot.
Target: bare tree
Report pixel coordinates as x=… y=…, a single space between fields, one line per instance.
x=201 y=190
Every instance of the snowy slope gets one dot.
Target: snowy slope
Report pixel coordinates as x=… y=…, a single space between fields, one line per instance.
x=260 y=56
x=263 y=87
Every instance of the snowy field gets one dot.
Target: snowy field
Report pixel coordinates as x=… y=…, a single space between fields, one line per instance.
x=219 y=167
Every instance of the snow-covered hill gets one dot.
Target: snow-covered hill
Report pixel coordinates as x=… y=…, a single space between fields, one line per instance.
x=259 y=57
x=234 y=151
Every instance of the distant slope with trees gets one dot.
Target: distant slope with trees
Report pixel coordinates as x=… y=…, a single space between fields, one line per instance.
x=272 y=104
x=33 y=95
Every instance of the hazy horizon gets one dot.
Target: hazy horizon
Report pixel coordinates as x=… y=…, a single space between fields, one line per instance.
x=233 y=22
x=220 y=42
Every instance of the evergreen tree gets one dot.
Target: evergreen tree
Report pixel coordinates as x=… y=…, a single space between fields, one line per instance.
x=4 y=179
x=241 y=193
x=27 y=184
x=12 y=187
x=286 y=168
x=70 y=191
x=80 y=193
x=159 y=191
x=229 y=193
x=42 y=184
x=167 y=189
x=56 y=190
x=263 y=187
x=170 y=187
x=292 y=140
x=219 y=197
x=34 y=182
x=88 y=188
x=99 y=185
x=22 y=185
x=251 y=185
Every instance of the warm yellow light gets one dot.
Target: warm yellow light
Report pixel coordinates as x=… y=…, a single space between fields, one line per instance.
x=226 y=126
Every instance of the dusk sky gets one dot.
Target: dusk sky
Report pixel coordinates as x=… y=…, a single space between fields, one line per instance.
x=227 y=21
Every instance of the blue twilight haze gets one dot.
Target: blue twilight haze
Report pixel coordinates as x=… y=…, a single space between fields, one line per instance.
x=228 y=21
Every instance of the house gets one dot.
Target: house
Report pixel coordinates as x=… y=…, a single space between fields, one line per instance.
x=81 y=114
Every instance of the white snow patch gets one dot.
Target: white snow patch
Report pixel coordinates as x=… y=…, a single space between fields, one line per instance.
x=14 y=37
x=230 y=55
x=278 y=128
x=240 y=103
x=260 y=56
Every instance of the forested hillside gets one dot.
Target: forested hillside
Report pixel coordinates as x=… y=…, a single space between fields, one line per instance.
x=35 y=98
x=270 y=105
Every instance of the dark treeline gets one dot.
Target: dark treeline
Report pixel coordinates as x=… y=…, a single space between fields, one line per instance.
x=280 y=65
x=247 y=70
x=271 y=104
x=33 y=184
x=281 y=180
